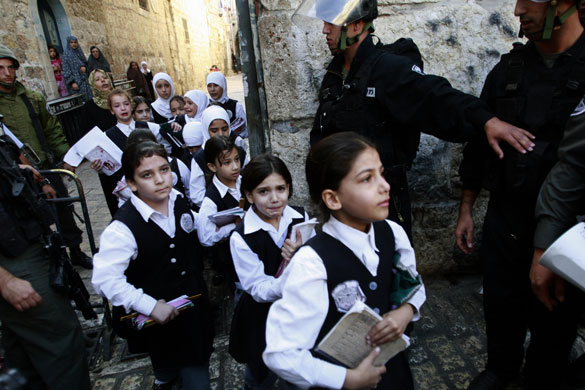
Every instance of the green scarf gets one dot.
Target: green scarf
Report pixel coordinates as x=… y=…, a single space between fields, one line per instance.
x=100 y=97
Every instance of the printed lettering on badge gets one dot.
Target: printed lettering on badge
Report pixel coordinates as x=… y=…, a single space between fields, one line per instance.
x=371 y=92
x=580 y=109
x=418 y=70
x=187 y=222
x=346 y=294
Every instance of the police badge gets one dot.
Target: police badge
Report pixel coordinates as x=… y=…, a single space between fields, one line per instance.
x=346 y=294
x=187 y=222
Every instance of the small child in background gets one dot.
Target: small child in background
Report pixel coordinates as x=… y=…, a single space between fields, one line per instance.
x=193 y=136
x=258 y=246
x=223 y=193
x=358 y=256
x=141 y=109
x=57 y=70
x=148 y=256
x=217 y=89
x=176 y=105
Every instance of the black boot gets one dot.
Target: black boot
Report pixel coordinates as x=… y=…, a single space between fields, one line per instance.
x=80 y=258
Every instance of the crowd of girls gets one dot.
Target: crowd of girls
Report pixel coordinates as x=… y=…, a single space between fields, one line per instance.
x=284 y=289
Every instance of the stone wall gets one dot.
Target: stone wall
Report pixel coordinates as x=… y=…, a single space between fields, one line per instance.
x=460 y=40
x=180 y=37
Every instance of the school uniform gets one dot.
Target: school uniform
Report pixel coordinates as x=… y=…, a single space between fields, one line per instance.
x=145 y=256
x=159 y=118
x=255 y=247
x=197 y=183
x=119 y=135
x=307 y=311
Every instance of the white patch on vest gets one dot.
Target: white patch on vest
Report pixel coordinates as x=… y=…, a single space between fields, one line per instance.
x=175 y=178
x=187 y=222
x=346 y=294
x=580 y=109
x=230 y=113
x=418 y=70
x=371 y=92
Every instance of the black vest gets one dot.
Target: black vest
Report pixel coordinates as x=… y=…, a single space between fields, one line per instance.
x=179 y=186
x=225 y=203
x=166 y=268
x=229 y=106
x=248 y=329
x=539 y=99
x=342 y=265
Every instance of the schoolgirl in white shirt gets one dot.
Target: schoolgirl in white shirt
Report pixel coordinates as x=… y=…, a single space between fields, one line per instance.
x=148 y=256
x=357 y=256
x=165 y=90
x=217 y=89
x=120 y=104
x=260 y=246
x=215 y=122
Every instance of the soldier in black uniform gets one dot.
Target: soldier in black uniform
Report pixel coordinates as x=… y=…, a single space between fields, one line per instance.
x=41 y=334
x=383 y=94
x=538 y=86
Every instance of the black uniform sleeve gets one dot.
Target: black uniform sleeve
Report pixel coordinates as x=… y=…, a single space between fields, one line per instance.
x=428 y=102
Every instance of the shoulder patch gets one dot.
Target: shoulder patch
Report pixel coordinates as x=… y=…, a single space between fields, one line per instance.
x=371 y=92
x=580 y=109
x=416 y=69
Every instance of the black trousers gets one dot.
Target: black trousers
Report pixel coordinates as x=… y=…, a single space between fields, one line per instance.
x=511 y=309
x=70 y=232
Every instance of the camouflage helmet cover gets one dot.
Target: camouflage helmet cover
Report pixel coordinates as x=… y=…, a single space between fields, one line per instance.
x=5 y=52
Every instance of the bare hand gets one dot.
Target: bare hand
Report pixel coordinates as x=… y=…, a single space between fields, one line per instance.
x=289 y=247
x=74 y=86
x=163 y=312
x=543 y=280
x=464 y=232
x=49 y=191
x=96 y=165
x=176 y=127
x=392 y=325
x=20 y=293
x=366 y=375
x=36 y=174
x=497 y=130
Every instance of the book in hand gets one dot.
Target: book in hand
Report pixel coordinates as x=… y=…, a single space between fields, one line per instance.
x=306 y=229
x=566 y=256
x=346 y=341
x=226 y=217
x=109 y=164
x=140 y=321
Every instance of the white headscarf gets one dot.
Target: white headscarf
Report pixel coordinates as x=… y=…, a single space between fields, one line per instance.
x=201 y=101
x=142 y=69
x=219 y=79
x=162 y=105
x=193 y=134
x=210 y=114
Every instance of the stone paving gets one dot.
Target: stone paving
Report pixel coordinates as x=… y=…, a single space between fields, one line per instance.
x=448 y=343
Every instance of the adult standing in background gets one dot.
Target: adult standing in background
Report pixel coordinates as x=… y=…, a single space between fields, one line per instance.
x=97 y=60
x=75 y=68
x=140 y=83
x=96 y=111
x=148 y=76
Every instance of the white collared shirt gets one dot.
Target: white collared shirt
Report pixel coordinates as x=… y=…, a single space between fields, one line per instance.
x=153 y=127
x=249 y=267
x=295 y=320
x=207 y=231
x=118 y=247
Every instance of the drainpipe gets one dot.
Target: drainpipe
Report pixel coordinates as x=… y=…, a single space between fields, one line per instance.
x=253 y=78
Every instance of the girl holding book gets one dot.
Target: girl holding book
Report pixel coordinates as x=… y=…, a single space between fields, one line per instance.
x=358 y=256
x=260 y=245
x=148 y=256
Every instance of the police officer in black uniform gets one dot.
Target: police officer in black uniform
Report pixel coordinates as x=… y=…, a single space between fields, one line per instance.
x=41 y=334
x=538 y=86
x=383 y=94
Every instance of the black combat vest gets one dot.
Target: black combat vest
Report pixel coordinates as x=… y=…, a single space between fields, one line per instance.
x=540 y=100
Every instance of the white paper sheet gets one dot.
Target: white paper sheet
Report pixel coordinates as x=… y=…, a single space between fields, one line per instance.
x=92 y=145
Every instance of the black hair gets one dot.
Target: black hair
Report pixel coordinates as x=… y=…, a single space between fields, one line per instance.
x=135 y=152
x=138 y=100
x=178 y=98
x=217 y=147
x=54 y=48
x=329 y=161
x=262 y=166
x=140 y=135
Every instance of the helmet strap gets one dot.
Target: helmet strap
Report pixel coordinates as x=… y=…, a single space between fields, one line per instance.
x=344 y=41
x=552 y=21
